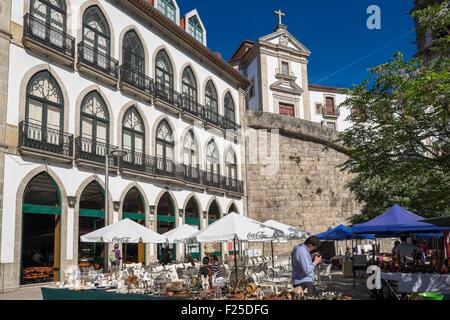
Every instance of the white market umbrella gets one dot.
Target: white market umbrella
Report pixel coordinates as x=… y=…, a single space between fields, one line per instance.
x=290 y=233
x=124 y=231
x=234 y=227
x=181 y=234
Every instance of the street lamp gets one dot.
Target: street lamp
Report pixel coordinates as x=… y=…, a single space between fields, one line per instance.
x=119 y=153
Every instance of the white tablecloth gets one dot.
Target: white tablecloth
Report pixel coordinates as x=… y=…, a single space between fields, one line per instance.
x=409 y=282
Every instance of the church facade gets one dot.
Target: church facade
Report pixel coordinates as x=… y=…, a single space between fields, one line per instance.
x=83 y=82
x=277 y=66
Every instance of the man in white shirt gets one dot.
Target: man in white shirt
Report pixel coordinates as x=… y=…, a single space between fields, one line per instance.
x=405 y=250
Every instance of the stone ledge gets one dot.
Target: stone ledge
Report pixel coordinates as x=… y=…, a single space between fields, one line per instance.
x=295 y=128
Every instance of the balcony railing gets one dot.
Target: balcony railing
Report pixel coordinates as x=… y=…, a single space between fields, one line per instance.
x=37 y=137
x=212 y=117
x=167 y=94
x=155 y=166
x=97 y=59
x=50 y=36
x=136 y=79
x=335 y=111
x=228 y=124
x=233 y=185
x=191 y=106
x=94 y=151
x=212 y=179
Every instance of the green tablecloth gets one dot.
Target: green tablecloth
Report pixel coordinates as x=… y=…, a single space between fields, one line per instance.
x=66 y=294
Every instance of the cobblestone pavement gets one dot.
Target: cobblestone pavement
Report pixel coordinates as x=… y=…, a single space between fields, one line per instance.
x=28 y=293
x=339 y=283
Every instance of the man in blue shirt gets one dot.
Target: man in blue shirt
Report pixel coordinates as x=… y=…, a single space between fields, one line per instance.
x=303 y=265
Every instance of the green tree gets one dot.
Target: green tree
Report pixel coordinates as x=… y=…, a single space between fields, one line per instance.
x=399 y=145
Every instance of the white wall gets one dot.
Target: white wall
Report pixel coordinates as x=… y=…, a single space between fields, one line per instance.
x=319 y=97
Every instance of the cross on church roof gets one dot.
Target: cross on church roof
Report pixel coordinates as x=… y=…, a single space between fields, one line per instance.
x=280 y=15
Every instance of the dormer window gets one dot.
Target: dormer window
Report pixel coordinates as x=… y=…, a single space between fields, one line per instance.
x=168 y=8
x=195 y=29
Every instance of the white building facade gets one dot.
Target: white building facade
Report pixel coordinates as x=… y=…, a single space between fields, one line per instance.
x=277 y=66
x=85 y=78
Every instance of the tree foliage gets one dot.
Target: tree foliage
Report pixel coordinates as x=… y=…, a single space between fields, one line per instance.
x=399 y=145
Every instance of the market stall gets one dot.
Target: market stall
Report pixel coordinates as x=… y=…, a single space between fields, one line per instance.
x=413 y=274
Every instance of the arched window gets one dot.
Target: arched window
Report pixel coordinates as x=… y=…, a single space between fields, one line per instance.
x=133 y=52
x=195 y=29
x=211 y=103
x=189 y=89
x=96 y=37
x=165 y=147
x=164 y=72
x=53 y=15
x=44 y=108
x=168 y=8
x=94 y=124
x=230 y=110
x=231 y=164
x=190 y=150
x=212 y=162
x=133 y=138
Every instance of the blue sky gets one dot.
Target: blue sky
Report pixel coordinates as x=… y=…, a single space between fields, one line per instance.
x=334 y=30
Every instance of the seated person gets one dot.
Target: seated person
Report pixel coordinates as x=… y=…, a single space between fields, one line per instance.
x=206 y=271
x=218 y=268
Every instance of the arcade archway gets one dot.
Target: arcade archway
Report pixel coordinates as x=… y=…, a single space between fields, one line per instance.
x=166 y=219
x=192 y=218
x=41 y=231
x=134 y=209
x=91 y=218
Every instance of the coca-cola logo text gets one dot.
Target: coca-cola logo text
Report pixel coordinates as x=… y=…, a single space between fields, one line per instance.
x=257 y=236
x=121 y=240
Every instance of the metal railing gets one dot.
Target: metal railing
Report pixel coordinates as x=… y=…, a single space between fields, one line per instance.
x=38 y=30
x=38 y=137
x=333 y=112
x=228 y=124
x=191 y=105
x=233 y=185
x=156 y=166
x=167 y=94
x=97 y=59
x=212 y=116
x=91 y=150
x=136 y=79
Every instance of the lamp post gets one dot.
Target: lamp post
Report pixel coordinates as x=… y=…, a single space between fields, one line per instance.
x=114 y=153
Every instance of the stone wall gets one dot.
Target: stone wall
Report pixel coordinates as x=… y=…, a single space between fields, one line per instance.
x=308 y=191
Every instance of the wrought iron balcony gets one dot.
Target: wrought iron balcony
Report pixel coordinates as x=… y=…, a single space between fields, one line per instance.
x=167 y=94
x=212 y=179
x=228 y=124
x=97 y=60
x=94 y=151
x=48 y=36
x=191 y=106
x=193 y=174
x=333 y=112
x=211 y=116
x=138 y=162
x=233 y=185
x=136 y=79
x=38 y=137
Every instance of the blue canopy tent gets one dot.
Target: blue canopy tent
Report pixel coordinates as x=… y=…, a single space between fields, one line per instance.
x=394 y=222
x=341 y=232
